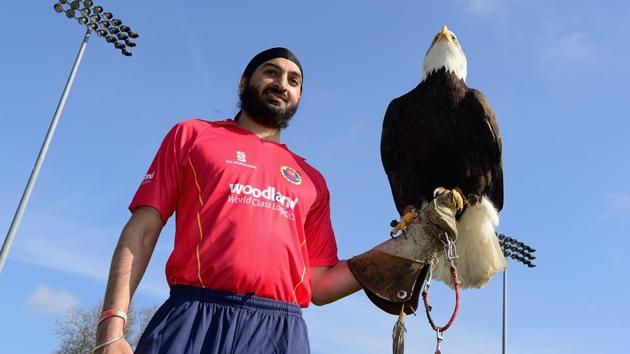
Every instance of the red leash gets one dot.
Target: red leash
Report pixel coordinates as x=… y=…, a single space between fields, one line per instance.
x=449 y=248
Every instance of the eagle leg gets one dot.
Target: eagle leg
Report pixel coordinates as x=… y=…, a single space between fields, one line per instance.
x=472 y=199
x=410 y=214
x=395 y=228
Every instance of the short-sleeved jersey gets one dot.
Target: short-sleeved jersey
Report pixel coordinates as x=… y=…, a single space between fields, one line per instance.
x=251 y=216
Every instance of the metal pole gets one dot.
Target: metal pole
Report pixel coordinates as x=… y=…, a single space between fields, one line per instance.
x=42 y=155
x=504 y=351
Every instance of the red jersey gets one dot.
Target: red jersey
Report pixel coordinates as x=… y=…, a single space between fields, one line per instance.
x=251 y=216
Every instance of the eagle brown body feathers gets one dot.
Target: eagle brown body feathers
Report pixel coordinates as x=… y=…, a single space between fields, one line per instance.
x=441 y=134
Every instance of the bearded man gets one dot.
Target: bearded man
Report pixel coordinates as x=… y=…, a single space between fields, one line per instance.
x=253 y=241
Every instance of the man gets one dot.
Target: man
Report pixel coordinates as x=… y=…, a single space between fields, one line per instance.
x=253 y=239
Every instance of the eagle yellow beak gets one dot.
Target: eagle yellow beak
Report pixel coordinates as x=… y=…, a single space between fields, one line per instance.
x=444 y=33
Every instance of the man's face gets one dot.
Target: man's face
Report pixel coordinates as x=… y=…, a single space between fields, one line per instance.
x=272 y=94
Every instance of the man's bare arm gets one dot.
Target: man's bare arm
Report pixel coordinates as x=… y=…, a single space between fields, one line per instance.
x=129 y=262
x=330 y=284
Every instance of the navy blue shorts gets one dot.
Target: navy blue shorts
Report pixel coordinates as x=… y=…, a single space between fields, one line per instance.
x=195 y=321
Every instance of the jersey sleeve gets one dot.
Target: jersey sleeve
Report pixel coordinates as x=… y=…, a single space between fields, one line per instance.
x=320 y=238
x=160 y=187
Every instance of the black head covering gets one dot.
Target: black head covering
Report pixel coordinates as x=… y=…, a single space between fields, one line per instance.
x=272 y=53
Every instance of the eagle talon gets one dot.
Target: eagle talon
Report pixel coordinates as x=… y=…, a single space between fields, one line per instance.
x=402 y=233
x=410 y=214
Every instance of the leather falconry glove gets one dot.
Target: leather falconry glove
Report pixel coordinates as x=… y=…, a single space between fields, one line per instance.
x=391 y=273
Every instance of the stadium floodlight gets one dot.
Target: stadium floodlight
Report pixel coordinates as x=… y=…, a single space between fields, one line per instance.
x=522 y=253
x=95 y=18
x=89 y=17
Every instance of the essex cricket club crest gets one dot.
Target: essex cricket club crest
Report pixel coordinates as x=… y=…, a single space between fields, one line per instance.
x=291 y=175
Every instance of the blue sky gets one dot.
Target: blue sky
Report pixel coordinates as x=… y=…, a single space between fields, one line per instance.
x=556 y=73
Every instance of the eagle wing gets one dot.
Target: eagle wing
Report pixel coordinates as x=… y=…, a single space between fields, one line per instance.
x=400 y=153
x=488 y=144
x=390 y=153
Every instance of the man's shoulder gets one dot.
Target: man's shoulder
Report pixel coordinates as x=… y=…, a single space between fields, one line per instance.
x=313 y=173
x=202 y=124
x=194 y=126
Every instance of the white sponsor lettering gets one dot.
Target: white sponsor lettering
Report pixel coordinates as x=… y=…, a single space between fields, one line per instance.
x=261 y=203
x=241 y=160
x=148 y=177
x=268 y=193
x=241 y=157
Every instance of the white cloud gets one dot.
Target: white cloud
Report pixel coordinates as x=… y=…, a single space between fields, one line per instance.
x=619 y=201
x=486 y=7
x=617 y=204
x=571 y=48
x=76 y=247
x=47 y=300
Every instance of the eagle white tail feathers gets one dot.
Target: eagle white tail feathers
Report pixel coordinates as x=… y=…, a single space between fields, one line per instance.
x=479 y=253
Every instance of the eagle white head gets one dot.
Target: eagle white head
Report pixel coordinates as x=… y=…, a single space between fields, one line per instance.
x=445 y=52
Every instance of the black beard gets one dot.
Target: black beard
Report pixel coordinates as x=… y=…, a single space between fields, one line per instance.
x=263 y=113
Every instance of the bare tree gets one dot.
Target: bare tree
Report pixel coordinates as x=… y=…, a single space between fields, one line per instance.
x=137 y=321
x=77 y=329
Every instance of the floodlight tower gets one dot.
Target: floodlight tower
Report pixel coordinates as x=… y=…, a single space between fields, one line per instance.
x=94 y=18
x=521 y=253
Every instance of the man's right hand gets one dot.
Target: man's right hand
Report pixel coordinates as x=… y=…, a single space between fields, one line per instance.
x=118 y=347
x=109 y=329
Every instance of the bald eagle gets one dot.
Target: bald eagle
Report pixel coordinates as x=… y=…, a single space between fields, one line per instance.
x=444 y=134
